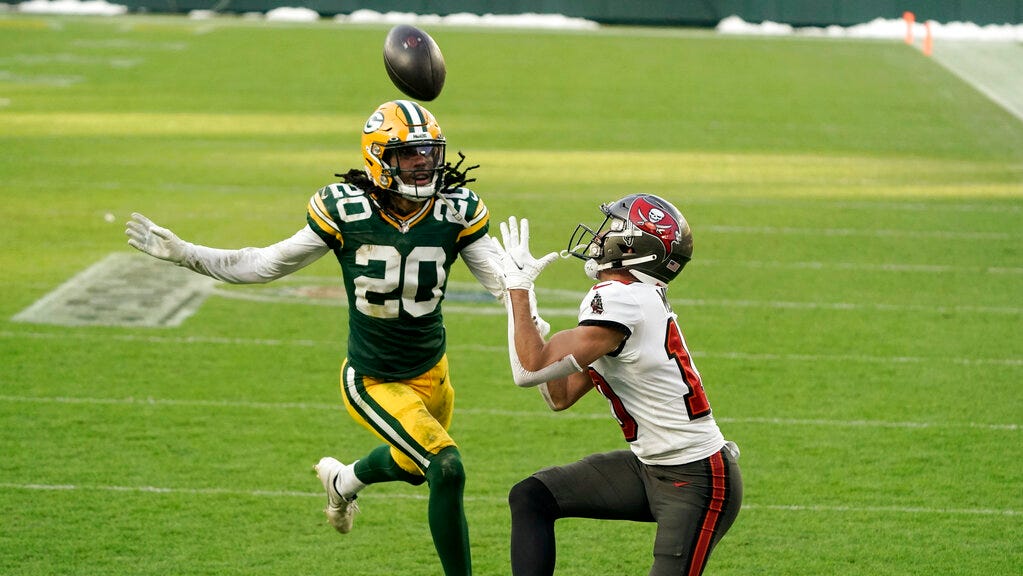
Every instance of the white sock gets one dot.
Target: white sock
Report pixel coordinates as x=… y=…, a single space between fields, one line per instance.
x=346 y=484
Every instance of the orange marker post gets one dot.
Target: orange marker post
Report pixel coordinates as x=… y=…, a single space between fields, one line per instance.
x=928 y=41
x=910 y=19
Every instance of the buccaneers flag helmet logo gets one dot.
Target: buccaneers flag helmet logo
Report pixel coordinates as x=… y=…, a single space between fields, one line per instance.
x=655 y=221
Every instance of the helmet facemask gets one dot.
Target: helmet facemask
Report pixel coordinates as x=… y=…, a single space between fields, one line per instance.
x=609 y=247
x=416 y=169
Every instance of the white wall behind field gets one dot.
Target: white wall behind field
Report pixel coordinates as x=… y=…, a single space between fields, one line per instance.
x=878 y=28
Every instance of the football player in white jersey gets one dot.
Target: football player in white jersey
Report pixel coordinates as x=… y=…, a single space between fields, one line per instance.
x=679 y=471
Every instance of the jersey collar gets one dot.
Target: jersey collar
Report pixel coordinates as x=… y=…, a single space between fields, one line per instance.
x=403 y=224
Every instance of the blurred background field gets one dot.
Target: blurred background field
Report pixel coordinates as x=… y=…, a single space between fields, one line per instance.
x=854 y=303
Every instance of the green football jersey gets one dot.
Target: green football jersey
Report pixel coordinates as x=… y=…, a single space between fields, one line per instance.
x=395 y=273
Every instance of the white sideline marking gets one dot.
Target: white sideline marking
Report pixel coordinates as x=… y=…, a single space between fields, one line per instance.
x=993 y=68
x=494 y=499
x=503 y=349
x=149 y=401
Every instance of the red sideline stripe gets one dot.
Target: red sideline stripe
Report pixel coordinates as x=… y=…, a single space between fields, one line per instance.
x=717 y=502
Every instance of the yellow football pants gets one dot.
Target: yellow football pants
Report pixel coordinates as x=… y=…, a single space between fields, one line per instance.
x=411 y=415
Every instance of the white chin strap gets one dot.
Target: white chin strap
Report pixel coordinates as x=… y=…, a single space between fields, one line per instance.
x=592 y=268
x=646 y=278
x=416 y=193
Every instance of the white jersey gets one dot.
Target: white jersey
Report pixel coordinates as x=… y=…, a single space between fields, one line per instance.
x=651 y=383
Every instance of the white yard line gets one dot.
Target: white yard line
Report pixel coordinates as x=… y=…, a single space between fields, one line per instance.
x=883 y=205
x=742 y=356
x=489 y=499
x=547 y=311
x=868 y=232
x=516 y=414
x=851 y=306
x=863 y=266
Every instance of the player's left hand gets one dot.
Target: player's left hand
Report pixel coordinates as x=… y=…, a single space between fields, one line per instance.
x=520 y=267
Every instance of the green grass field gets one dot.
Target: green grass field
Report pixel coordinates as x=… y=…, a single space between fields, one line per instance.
x=854 y=303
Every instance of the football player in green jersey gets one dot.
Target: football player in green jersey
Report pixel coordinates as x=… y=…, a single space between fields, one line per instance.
x=396 y=227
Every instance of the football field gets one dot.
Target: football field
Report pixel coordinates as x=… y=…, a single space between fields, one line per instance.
x=854 y=303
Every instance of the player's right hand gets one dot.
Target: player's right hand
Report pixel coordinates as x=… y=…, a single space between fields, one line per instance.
x=157 y=241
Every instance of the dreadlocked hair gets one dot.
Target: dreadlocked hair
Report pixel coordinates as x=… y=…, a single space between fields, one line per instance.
x=359 y=179
x=362 y=181
x=453 y=176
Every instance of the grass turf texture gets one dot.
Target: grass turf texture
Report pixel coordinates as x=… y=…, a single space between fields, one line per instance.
x=853 y=305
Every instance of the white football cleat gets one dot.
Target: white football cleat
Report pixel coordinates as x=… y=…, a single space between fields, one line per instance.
x=340 y=511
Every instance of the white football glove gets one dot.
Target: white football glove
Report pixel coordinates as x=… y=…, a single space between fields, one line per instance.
x=157 y=241
x=520 y=267
x=498 y=265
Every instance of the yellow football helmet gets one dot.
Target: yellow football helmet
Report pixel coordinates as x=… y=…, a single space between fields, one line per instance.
x=403 y=150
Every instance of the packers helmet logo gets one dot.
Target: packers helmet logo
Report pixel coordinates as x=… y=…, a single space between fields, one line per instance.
x=656 y=222
x=374 y=122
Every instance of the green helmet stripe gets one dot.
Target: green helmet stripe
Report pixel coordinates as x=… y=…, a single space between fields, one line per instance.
x=413 y=116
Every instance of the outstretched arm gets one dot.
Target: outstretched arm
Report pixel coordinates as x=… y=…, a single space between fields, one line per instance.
x=243 y=266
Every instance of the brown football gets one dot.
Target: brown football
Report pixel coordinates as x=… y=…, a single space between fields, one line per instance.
x=414 y=62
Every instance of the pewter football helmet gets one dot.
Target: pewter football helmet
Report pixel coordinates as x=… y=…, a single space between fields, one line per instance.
x=641 y=233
